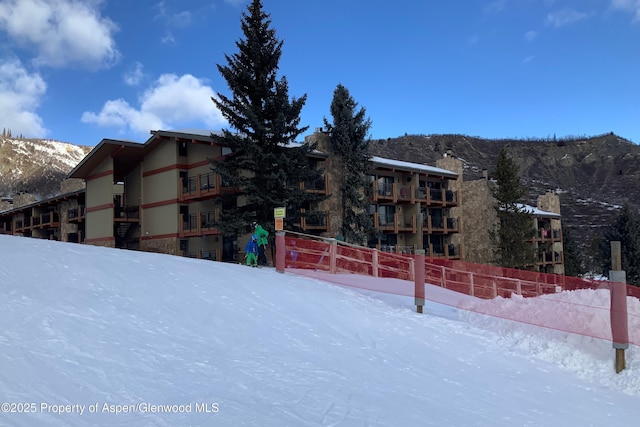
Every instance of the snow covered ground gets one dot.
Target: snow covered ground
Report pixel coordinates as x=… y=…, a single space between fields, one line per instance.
x=95 y=336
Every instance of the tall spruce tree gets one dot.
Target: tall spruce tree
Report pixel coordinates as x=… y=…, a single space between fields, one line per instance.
x=625 y=229
x=515 y=229
x=348 y=133
x=573 y=265
x=264 y=168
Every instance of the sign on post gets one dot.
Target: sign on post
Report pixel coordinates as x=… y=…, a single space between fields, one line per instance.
x=278 y=215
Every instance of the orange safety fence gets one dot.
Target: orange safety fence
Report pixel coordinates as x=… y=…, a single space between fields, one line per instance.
x=478 y=288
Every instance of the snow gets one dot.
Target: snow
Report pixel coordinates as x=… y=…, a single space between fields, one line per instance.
x=115 y=335
x=412 y=166
x=68 y=155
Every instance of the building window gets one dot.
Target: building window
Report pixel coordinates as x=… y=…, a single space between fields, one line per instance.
x=182 y=148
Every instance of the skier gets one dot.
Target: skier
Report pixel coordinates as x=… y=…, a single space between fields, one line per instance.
x=261 y=235
x=251 y=251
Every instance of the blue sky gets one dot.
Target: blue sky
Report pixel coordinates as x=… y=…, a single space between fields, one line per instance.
x=82 y=70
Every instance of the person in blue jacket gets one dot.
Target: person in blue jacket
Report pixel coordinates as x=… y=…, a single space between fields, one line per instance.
x=251 y=251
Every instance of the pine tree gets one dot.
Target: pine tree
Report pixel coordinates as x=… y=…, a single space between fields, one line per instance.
x=512 y=246
x=573 y=265
x=264 y=168
x=625 y=229
x=348 y=133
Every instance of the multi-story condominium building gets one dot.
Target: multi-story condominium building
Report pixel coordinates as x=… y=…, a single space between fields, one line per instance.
x=162 y=196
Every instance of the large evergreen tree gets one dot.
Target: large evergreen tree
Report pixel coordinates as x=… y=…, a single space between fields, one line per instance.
x=348 y=133
x=263 y=168
x=515 y=229
x=625 y=229
x=573 y=266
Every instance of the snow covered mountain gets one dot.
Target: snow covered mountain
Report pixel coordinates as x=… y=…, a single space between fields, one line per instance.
x=36 y=166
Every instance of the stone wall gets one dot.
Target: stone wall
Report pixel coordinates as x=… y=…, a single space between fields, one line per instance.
x=65 y=227
x=23 y=199
x=72 y=184
x=455 y=165
x=167 y=245
x=549 y=202
x=333 y=169
x=479 y=218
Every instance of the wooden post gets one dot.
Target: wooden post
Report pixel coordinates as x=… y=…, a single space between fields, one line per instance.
x=333 y=256
x=618 y=312
x=418 y=275
x=374 y=262
x=281 y=252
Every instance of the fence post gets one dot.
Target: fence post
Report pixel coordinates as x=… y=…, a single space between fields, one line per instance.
x=374 y=262
x=280 y=251
x=418 y=274
x=618 y=313
x=333 y=253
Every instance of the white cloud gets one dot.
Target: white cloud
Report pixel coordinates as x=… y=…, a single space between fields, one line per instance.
x=530 y=35
x=565 y=17
x=495 y=6
x=170 y=103
x=168 y=38
x=632 y=6
x=62 y=32
x=20 y=95
x=134 y=76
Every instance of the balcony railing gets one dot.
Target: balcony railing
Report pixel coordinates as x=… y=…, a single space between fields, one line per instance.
x=395 y=222
x=440 y=224
x=550 y=257
x=127 y=213
x=448 y=251
x=202 y=185
x=311 y=220
x=76 y=214
x=319 y=185
x=547 y=234
x=437 y=196
x=198 y=224
x=398 y=193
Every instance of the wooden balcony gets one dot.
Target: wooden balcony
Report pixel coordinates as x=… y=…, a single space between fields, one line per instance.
x=448 y=251
x=202 y=186
x=128 y=213
x=46 y=220
x=318 y=186
x=399 y=193
x=442 y=225
x=397 y=223
x=199 y=224
x=550 y=257
x=76 y=215
x=546 y=235
x=311 y=220
x=437 y=197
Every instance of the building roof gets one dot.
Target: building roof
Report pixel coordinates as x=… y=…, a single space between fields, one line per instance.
x=538 y=212
x=126 y=155
x=411 y=167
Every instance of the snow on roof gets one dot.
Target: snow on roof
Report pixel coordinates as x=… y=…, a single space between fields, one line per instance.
x=416 y=167
x=538 y=212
